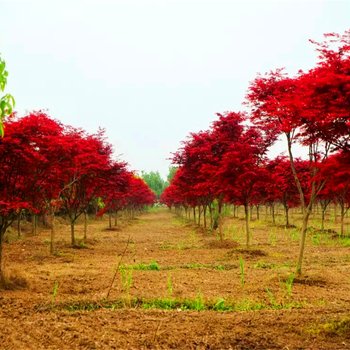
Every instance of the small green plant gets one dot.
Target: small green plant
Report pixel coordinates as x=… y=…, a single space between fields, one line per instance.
x=199 y=304
x=248 y=305
x=241 y=269
x=272 y=298
x=294 y=234
x=221 y=305
x=154 y=266
x=126 y=282
x=289 y=284
x=143 y=267
x=316 y=239
x=54 y=292
x=344 y=241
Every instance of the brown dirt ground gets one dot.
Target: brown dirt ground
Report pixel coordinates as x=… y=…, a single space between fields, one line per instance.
x=32 y=319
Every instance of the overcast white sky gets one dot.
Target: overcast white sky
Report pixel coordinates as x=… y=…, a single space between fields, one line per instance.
x=150 y=72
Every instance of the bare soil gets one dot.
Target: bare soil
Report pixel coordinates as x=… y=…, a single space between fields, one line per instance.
x=313 y=314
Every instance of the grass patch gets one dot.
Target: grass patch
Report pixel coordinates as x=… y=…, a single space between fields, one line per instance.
x=189 y=304
x=152 y=266
x=333 y=328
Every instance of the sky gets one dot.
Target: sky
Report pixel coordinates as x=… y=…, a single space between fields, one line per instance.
x=151 y=72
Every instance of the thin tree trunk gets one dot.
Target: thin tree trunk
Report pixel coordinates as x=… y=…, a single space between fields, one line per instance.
x=205 y=216
x=286 y=210
x=85 y=225
x=303 y=238
x=194 y=214
x=342 y=215
x=110 y=219
x=72 y=233
x=335 y=213
x=220 y=221
x=34 y=224
x=116 y=218
x=199 y=215
x=251 y=213
x=19 y=231
x=273 y=214
x=258 y=212
x=52 y=233
x=246 y=213
x=211 y=216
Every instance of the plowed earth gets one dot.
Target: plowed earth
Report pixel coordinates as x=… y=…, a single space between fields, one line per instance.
x=192 y=264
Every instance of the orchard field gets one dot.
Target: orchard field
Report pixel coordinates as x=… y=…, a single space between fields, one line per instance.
x=238 y=249
x=160 y=281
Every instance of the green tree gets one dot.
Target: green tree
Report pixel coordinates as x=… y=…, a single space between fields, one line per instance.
x=171 y=174
x=154 y=181
x=7 y=101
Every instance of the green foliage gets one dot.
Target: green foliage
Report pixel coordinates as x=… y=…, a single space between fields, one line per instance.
x=7 y=102
x=171 y=174
x=154 y=181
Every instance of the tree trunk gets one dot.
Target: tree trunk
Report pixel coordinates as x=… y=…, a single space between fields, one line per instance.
x=34 y=224
x=286 y=210
x=116 y=218
x=273 y=214
x=220 y=221
x=234 y=211
x=323 y=214
x=258 y=212
x=85 y=225
x=72 y=233
x=211 y=216
x=110 y=219
x=199 y=215
x=251 y=213
x=342 y=216
x=247 y=230
x=205 y=216
x=194 y=214
x=19 y=231
x=306 y=215
x=335 y=213
x=52 y=233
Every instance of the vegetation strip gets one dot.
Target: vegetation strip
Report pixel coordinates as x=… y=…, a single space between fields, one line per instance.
x=154 y=266
x=194 y=304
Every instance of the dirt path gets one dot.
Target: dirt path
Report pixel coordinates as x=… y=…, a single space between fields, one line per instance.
x=186 y=265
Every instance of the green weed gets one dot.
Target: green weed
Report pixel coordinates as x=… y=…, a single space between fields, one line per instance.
x=153 y=266
x=126 y=282
x=289 y=284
